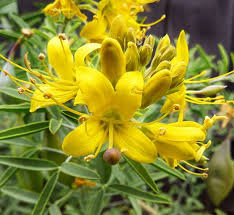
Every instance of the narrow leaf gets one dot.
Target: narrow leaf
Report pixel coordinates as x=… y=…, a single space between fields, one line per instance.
x=78 y=171
x=140 y=194
x=161 y=165
x=21 y=194
x=19 y=21
x=45 y=194
x=19 y=142
x=9 y=34
x=10 y=171
x=225 y=58
x=95 y=206
x=28 y=163
x=143 y=173
x=23 y=130
x=13 y=92
x=18 y=108
x=135 y=205
x=54 y=210
x=55 y=125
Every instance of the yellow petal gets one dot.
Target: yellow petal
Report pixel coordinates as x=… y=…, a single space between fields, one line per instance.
x=97 y=91
x=84 y=139
x=60 y=58
x=182 y=51
x=52 y=9
x=83 y=51
x=62 y=95
x=112 y=60
x=128 y=94
x=134 y=144
x=176 y=150
x=94 y=30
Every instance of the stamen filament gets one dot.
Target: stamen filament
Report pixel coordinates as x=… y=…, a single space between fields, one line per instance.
x=190 y=172
x=153 y=23
x=111 y=135
x=195 y=167
x=196 y=76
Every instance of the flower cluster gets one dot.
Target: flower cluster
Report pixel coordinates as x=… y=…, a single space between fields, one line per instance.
x=129 y=78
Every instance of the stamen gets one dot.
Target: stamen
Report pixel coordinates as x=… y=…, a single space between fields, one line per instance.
x=162 y=131
x=195 y=167
x=21 y=90
x=204 y=175
x=197 y=76
x=111 y=135
x=208 y=80
x=153 y=23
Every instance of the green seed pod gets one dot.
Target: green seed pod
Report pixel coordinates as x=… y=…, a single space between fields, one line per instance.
x=145 y=53
x=132 y=57
x=210 y=90
x=112 y=60
x=112 y=156
x=156 y=87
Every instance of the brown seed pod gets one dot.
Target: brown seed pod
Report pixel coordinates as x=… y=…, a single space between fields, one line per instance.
x=112 y=156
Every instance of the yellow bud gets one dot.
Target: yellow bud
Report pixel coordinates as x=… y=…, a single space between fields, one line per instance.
x=178 y=72
x=156 y=87
x=168 y=54
x=150 y=40
x=130 y=37
x=163 y=42
x=118 y=29
x=132 y=57
x=145 y=53
x=162 y=65
x=112 y=60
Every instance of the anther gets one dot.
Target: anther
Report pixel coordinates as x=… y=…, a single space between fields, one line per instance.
x=82 y=119
x=41 y=56
x=28 y=86
x=47 y=95
x=162 y=131
x=88 y=158
x=21 y=90
x=62 y=36
x=32 y=80
x=204 y=175
x=176 y=107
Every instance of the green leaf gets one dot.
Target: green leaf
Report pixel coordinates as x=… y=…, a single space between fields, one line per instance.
x=232 y=59
x=42 y=34
x=78 y=171
x=161 y=165
x=19 y=142
x=28 y=163
x=95 y=206
x=17 y=108
x=10 y=171
x=103 y=168
x=9 y=34
x=19 y=21
x=143 y=173
x=225 y=58
x=135 y=205
x=13 y=92
x=205 y=57
x=140 y=194
x=45 y=194
x=21 y=194
x=55 y=125
x=54 y=210
x=23 y=130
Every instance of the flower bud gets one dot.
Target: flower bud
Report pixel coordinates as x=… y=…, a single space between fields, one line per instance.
x=156 y=87
x=163 y=42
x=150 y=40
x=132 y=57
x=118 y=29
x=168 y=54
x=178 y=72
x=210 y=90
x=163 y=65
x=145 y=53
x=130 y=37
x=112 y=156
x=112 y=60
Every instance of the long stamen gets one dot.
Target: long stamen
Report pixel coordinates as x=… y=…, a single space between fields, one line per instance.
x=207 y=80
x=195 y=167
x=196 y=76
x=153 y=23
x=204 y=175
x=111 y=135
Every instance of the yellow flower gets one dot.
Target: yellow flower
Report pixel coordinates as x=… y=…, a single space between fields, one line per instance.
x=180 y=141
x=67 y=7
x=108 y=13
x=54 y=89
x=112 y=96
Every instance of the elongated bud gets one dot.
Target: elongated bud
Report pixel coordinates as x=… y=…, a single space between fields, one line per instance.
x=112 y=60
x=150 y=40
x=178 y=72
x=132 y=57
x=112 y=156
x=118 y=29
x=156 y=87
x=168 y=54
x=209 y=91
x=163 y=42
x=145 y=53
x=130 y=37
x=162 y=65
